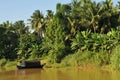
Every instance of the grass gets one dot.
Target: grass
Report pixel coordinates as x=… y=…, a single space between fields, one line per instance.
x=115 y=58
x=86 y=59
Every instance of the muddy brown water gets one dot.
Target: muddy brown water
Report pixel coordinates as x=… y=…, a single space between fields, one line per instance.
x=59 y=74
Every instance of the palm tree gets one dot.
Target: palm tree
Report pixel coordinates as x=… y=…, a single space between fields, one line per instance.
x=20 y=27
x=6 y=24
x=49 y=15
x=38 y=22
x=109 y=16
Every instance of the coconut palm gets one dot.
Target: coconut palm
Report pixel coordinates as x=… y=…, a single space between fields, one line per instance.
x=49 y=15
x=20 y=27
x=38 y=22
x=109 y=16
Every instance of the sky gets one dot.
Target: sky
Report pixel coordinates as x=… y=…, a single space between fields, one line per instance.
x=14 y=10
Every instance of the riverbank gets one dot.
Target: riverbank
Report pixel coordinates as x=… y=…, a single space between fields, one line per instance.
x=7 y=65
x=11 y=65
x=82 y=67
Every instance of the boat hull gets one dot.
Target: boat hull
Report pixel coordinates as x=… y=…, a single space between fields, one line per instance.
x=30 y=64
x=21 y=67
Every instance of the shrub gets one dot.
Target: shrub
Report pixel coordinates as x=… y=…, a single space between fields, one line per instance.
x=86 y=57
x=69 y=60
x=79 y=58
x=101 y=58
x=3 y=62
x=115 y=58
x=10 y=64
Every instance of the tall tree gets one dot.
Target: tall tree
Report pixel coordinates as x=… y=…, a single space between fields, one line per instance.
x=20 y=27
x=54 y=42
x=8 y=41
x=38 y=22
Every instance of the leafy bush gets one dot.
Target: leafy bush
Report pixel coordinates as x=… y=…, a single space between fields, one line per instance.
x=3 y=62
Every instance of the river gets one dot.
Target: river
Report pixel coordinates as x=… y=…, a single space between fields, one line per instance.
x=59 y=74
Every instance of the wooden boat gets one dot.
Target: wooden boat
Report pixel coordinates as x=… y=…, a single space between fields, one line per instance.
x=30 y=64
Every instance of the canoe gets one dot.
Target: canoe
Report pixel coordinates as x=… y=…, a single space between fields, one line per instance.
x=30 y=64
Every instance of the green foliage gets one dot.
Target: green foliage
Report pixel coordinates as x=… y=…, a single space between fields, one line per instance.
x=85 y=40
x=54 y=42
x=77 y=59
x=69 y=60
x=29 y=46
x=101 y=58
x=87 y=57
x=83 y=31
x=115 y=58
x=8 y=43
x=38 y=22
x=3 y=62
x=10 y=64
x=7 y=64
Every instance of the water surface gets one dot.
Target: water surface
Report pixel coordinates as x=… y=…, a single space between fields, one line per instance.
x=58 y=74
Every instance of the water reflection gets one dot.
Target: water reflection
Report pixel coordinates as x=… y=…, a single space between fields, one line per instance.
x=59 y=74
x=23 y=74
